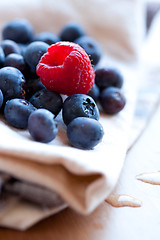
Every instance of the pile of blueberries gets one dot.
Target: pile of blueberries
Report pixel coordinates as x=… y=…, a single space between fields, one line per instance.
x=27 y=104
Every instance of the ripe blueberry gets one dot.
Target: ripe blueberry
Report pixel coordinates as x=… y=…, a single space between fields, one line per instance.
x=1 y=98
x=11 y=83
x=17 y=61
x=107 y=77
x=2 y=57
x=79 y=105
x=42 y=126
x=17 y=111
x=22 y=48
x=71 y=31
x=33 y=53
x=49 y=100
x=91 y=47
x=112 y=100
x=94 y=92
x=47 y=37
x=32 y=86
x=10 y=46
x=84 y=133
x=18 y=30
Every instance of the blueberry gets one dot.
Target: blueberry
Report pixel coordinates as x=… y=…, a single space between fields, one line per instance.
x=17 y=61
x=22 y=48
x=84 y=133
x=71 y=31
x=91 y=47
x=51 y=101
x=79 y=105
x=2 y=57
x=1 y=98
x=17 y=111
x=10 y=46
x=112 y=100
x=47 y=37
x=107 y=77
x=33 y=53
x=42 y=126
x=18 y=30
x=32 y=86
x=11 y=83
x=94 y=92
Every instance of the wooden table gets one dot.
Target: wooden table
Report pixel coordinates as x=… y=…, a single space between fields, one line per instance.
x=108 y=222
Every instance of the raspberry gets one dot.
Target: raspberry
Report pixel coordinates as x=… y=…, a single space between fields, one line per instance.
x=66 y=69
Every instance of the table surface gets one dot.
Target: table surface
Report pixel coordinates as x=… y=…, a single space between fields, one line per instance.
x=108 y=222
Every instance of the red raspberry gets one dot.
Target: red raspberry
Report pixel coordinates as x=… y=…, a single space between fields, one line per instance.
x=66 y=68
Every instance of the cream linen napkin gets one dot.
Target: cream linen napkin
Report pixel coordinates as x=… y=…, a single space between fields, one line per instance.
x=82 y=178
x=148 y=94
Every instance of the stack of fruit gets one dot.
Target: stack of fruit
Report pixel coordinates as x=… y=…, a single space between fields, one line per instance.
x=36 y=71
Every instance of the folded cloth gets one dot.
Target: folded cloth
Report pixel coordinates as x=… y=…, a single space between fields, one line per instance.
x=31 y=192
x=82 y=178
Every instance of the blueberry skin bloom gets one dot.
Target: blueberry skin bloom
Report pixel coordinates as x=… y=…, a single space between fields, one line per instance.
x=71 y=31
x=42 y=126
x=17 y=111
x=47 y=37
x=84 y=133
x=2 y=57
x=33 y=53
x=11 y=83
x=112 y=100
x=18 y=30
x=79 y=105
x=107 y=77
x=9 y=47
x=32 y=86
x=1 y=98
x=91 y=47
x=49 y=100
x=17 y=61
x=94 y=92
